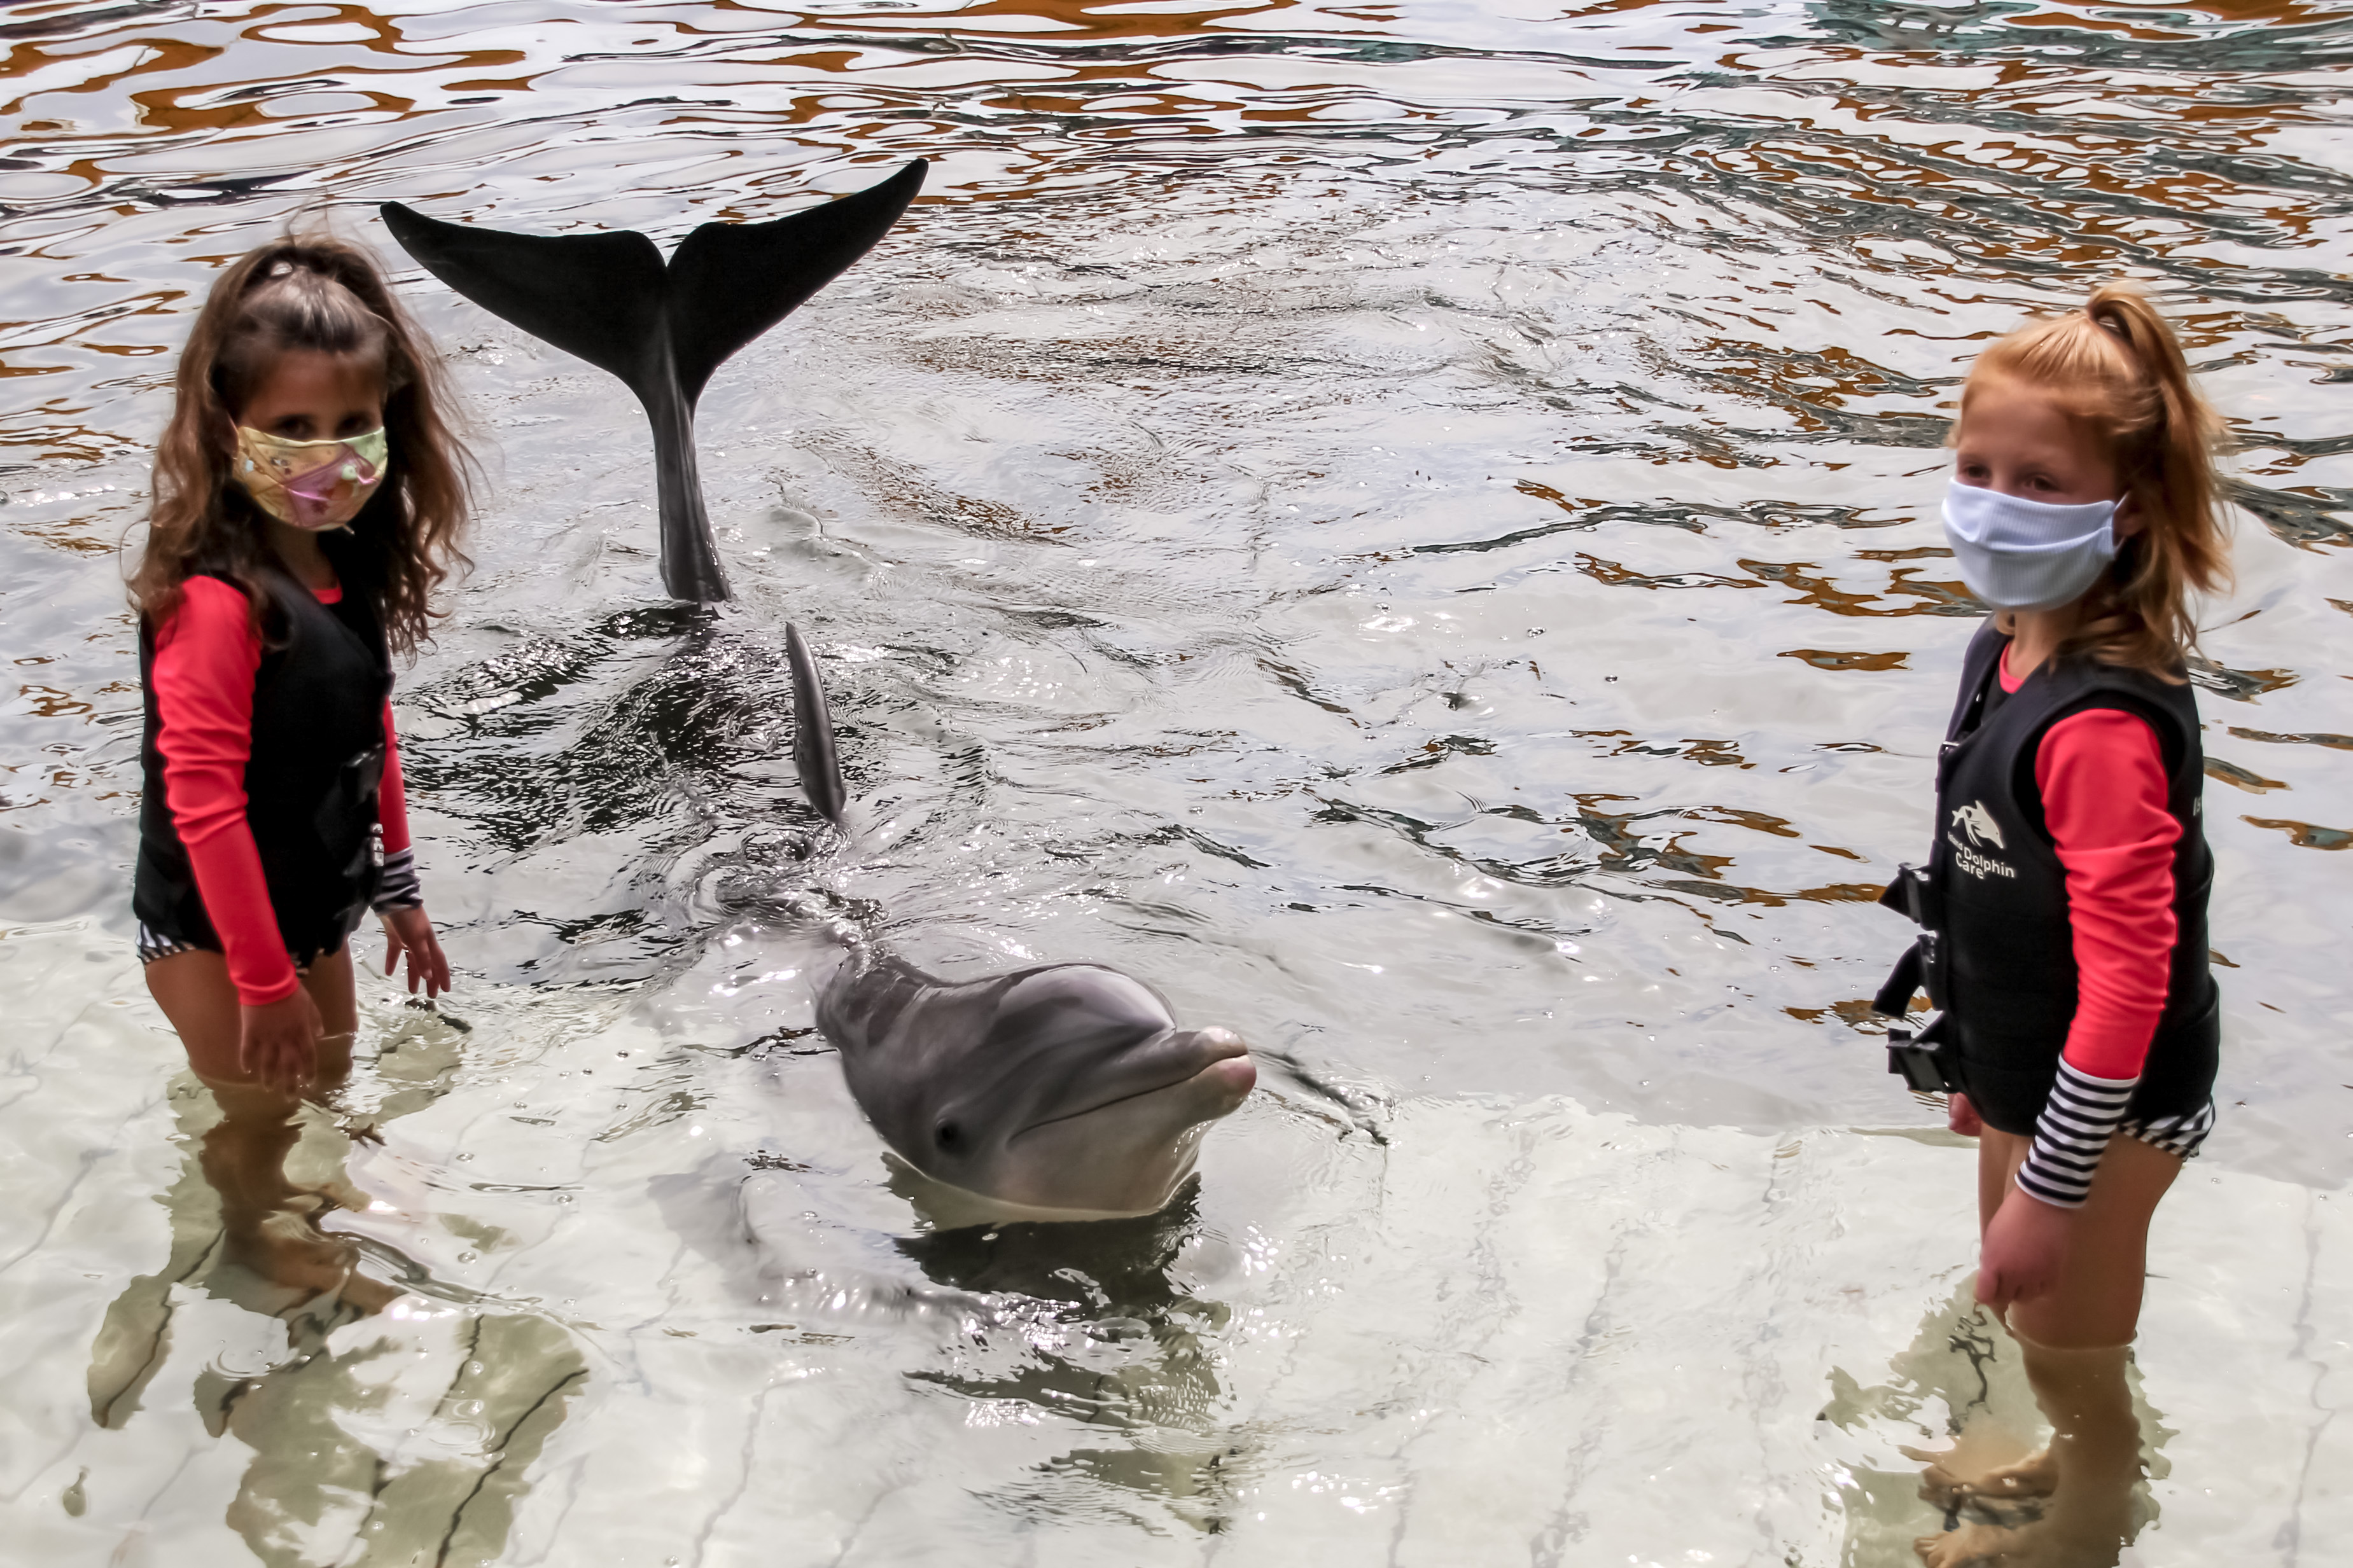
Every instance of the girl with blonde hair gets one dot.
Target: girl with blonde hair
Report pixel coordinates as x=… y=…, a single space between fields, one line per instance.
x=2065 y=900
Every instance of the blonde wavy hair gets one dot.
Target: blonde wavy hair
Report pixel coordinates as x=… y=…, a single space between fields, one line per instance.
x=2114 y=366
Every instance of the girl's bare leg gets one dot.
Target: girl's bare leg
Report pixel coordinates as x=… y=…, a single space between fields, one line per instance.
x=244 y=1155
x=2097 y=1302
x=194 y=989
x=1955 y=1476
x=1998 y=1156
x=2074 y=1341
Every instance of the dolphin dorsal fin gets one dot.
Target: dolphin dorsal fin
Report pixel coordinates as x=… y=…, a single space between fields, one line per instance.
x=814 y=757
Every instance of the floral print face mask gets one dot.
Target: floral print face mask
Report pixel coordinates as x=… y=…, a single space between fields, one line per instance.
x=313 y=485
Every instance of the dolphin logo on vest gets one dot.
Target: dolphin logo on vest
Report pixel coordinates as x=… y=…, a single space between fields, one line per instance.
x=1973 y=831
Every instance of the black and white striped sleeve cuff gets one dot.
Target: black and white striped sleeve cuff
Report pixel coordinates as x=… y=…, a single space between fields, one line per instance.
x=399 y=889
x=2072 y=1134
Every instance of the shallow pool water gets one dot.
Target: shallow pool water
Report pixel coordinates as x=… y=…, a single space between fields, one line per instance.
x=1409 y=526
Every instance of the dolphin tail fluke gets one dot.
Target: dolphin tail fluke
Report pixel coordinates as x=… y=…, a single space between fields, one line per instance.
x=729 y=282
x=604 y=297
x=662 y=328
x=596 y=295
x=813 y=754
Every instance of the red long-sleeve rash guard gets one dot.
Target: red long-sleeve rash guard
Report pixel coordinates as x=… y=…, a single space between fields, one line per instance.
x=206 y=656
x=2103 y=791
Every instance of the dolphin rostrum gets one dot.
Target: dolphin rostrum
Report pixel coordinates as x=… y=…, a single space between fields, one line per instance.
x=662 y=328
x=1062 y=1090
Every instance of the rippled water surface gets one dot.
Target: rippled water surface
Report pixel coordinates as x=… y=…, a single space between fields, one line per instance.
x=1409 y=526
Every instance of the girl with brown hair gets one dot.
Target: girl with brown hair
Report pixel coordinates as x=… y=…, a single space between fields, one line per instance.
x=2065 y=897
x=308 y=497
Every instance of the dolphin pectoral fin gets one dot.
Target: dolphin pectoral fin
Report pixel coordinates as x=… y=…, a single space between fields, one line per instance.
x=814 y=758
x=598 y=296
x=729 y=282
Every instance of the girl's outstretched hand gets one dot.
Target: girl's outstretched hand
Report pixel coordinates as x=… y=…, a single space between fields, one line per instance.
x=407 y=930
x=278 y=1043
x=2023 y=1247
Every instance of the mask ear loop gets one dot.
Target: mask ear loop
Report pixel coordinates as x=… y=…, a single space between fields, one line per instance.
x=239 y=463
x=2127 y=512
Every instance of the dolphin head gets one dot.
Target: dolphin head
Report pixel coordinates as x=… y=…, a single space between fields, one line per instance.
x=1062 y=1090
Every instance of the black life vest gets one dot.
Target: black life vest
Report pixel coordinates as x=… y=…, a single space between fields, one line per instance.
x=1998 y=959
x=311 y=782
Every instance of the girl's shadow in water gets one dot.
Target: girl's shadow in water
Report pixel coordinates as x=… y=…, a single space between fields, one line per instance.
x=399 y=1438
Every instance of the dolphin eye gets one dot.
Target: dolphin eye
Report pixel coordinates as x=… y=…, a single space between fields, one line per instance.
x=947 y=1135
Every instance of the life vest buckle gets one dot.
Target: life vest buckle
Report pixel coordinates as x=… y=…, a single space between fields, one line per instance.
x=1912 y=1055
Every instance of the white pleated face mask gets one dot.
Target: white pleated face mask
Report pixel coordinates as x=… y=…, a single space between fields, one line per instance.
x=2018 y=554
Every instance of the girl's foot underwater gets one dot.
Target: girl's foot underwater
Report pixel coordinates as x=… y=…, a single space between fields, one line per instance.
x=2048 y=1543
x=289 y=1252
x=1949 y=1482
x=1969 y=1543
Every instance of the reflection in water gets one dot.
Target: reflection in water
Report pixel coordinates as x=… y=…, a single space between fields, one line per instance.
x=1134 y=1355
x=472 y=1396
x=400 y=1451
x=243 y=1229
x=2046 y=1453
x=2068 y=1504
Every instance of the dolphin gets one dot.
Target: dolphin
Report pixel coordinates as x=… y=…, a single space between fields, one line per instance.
x=1063 y=1092
x=662 y=328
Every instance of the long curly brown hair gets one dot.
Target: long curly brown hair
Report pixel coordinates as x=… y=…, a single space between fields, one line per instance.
x=2116 y=367
x=324 y=294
